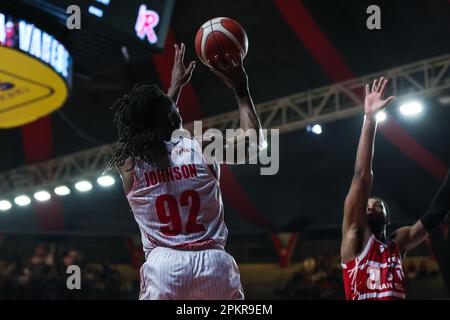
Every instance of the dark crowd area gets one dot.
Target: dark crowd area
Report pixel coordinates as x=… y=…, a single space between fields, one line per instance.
x=320 y=277
x=43 y=275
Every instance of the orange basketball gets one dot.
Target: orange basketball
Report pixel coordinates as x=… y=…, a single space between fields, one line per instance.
x=219 y=36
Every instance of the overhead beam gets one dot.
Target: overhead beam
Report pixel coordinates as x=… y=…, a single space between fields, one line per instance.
x=430 y=77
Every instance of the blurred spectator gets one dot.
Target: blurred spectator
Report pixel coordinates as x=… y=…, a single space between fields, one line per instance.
x=423 y=269
x=319 y=278
x=411 y=272
x=43 y=276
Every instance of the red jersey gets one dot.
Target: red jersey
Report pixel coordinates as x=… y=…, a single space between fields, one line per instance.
x=376 y=274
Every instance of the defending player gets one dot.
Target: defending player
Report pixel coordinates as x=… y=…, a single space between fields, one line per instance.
x=372 y=262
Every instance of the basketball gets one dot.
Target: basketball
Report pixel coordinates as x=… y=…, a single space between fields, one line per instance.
x=219 y=36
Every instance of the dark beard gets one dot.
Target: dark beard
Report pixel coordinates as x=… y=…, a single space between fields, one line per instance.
x=376 y=225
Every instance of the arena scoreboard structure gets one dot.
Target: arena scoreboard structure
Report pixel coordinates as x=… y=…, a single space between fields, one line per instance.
x=146 y=21
x=39 y=53
x=35 y=72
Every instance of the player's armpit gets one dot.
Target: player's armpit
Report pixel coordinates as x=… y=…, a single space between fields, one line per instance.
x=356 y=202
x=409 y=237
x=355 y=218
x=352 y=244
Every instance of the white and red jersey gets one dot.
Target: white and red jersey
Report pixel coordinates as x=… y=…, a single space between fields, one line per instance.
x=179 y=206
x=376 y=274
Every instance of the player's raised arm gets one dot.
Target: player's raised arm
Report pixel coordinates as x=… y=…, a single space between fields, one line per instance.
x=410 y=236
x=355 y=218
x=231 y=71
x=180 y=73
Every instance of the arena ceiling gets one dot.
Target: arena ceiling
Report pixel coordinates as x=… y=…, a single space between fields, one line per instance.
x=294 y=46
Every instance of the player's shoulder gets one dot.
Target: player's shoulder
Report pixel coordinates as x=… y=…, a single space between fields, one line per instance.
x=126 y=166
x=394 y=245
x=392 y=239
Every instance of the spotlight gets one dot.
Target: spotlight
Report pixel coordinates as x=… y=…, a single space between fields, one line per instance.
x=42 y=196
x=62 y=191
x=83 y=186
x=95 y=11
x=411 y=108
x=316 y=129
x=106 y=181
x=5 y=205
x=22 y=200
x=381 y=116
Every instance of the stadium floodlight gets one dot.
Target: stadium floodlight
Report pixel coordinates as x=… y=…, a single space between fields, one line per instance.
x=381 y=116
x=62 y=191
x=22 y=200
x=5 y=205
x=411 y=108
x=42 y=196
x=83 y=186
x=106 y=181
x=316 y=129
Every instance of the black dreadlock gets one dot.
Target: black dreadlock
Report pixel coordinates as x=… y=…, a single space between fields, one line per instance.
x=139 y=133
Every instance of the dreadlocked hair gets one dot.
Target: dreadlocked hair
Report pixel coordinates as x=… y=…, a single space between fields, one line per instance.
x=139 y=134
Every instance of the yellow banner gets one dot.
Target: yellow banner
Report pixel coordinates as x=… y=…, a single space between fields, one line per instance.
x=29 y=89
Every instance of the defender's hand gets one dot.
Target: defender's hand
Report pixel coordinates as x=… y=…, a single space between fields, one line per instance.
x=231 y=71
x=374 y=98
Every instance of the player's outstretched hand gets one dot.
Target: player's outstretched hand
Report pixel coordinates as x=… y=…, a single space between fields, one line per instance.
x=180 y=73
x=231 y=71
x=374 y=101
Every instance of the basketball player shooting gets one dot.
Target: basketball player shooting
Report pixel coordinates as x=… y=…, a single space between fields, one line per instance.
x=372 y=262
x=177 y=202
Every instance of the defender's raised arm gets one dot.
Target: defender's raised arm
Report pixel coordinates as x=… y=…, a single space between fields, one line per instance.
x=355 y=217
